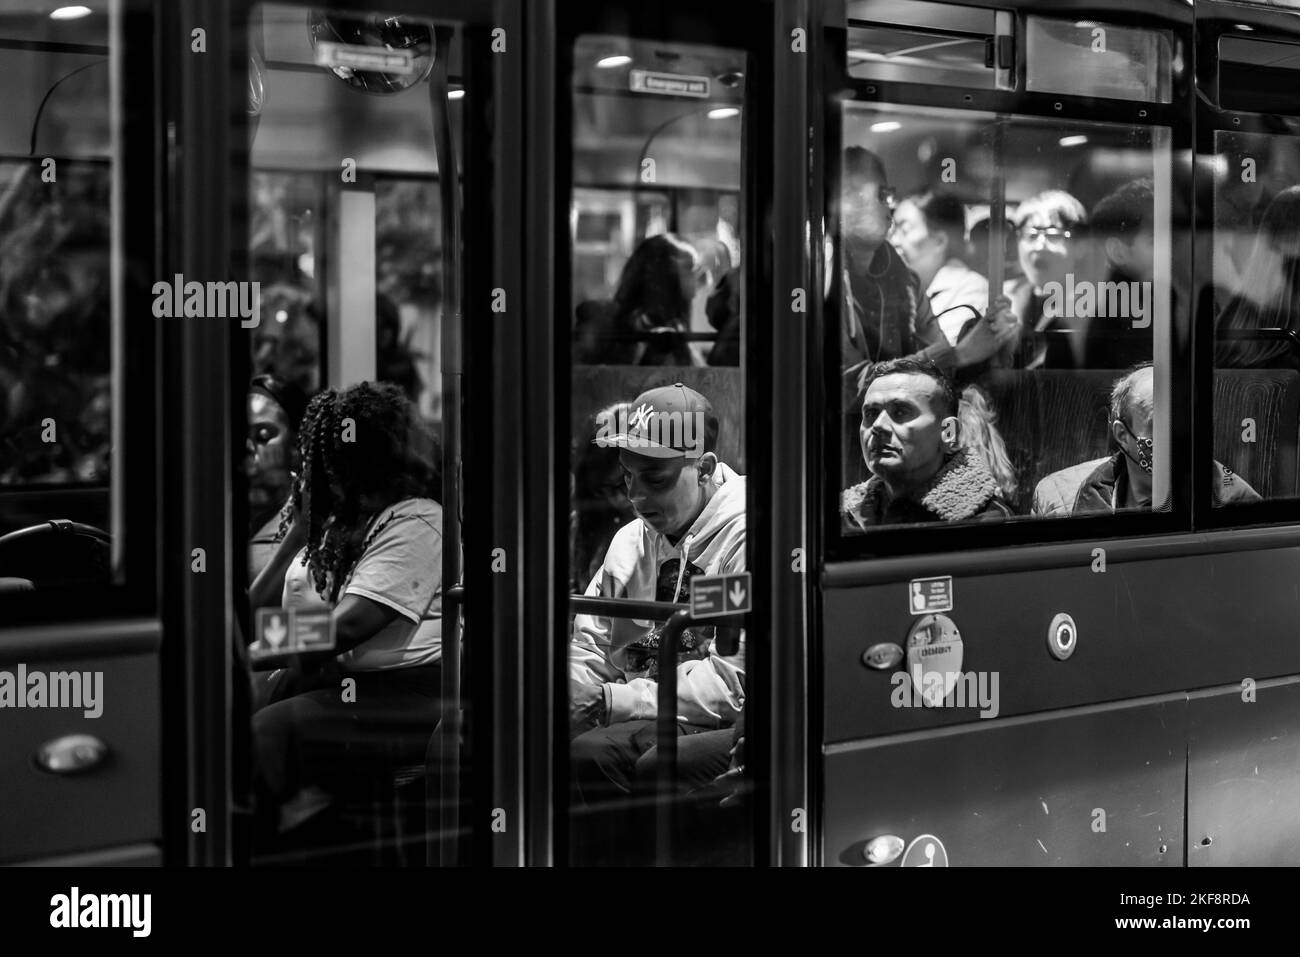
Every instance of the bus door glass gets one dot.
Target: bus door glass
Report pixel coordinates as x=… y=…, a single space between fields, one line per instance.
x=656 y=419
x=351 y=456
x=80 y=635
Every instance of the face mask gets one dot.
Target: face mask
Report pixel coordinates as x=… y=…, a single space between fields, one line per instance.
x=1145 y=447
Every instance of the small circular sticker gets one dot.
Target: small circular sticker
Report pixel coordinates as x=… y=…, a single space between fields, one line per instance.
x=925 y=851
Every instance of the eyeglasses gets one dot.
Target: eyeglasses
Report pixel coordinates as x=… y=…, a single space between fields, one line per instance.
x=1052 y=234
x=886 y=195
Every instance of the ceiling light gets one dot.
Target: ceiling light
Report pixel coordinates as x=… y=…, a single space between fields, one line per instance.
x=1078 y=140
x=70 y=13
x=609 y=62
x=723 y=113
x=886 y=126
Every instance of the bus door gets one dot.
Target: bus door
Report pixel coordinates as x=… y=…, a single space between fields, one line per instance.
x=661 y=231
x=1239 y=766
x=1007 y=201
x=81 y=701
x=378 y=188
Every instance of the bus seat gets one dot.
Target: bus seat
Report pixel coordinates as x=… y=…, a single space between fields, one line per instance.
x=595 y=387
x=1272 y=398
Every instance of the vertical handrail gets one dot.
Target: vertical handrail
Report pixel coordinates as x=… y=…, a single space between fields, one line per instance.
x=448 y=183
x=997 y=216
x=666 y=736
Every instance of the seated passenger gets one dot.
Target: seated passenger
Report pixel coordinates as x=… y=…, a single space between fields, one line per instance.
x=364 y=542
x=1124 y=479
x=1048 y=227
x=1270 y=291
x=645 y=322
x=1122 y=225
x=930 y=235
x=978 y=434
x=275 y=409
x=911 y=442
x=690 y=521
x=600 y=505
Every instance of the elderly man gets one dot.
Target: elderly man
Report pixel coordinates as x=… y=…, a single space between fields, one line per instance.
x=1124 y=479
x=911 y=443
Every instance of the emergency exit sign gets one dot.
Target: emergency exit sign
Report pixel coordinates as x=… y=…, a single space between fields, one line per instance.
x=668 y=84
x=714 y=595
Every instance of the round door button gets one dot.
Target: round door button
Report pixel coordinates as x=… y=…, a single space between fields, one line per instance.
x=1062 y=637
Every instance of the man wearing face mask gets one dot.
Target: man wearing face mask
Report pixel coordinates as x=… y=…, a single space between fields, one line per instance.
x=690 y=520
x=911 y=442
x=1123 y=480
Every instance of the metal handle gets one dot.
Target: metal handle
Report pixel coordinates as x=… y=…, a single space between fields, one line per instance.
x=72 y=754
x=883 y=849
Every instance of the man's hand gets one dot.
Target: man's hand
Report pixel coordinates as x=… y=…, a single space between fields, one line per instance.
x=998 y=329
x=733 y=777
x=586 y=707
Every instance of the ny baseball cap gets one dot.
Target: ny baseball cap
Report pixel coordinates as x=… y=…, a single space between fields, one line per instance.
x=663 y=423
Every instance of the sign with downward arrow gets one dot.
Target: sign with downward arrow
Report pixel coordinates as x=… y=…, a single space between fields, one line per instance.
x=714 y=595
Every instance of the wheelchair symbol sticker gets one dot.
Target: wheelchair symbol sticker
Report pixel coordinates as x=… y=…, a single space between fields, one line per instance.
x=925 y=851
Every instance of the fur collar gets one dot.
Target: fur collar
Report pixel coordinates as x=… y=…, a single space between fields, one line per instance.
x=962 y=488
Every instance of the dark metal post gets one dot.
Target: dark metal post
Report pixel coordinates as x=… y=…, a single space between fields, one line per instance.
x=666 y=736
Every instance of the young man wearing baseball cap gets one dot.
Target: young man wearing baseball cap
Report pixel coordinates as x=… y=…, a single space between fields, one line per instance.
x=690 y=521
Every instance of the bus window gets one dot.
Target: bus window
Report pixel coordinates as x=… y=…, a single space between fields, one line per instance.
x=286 y=218
x=1040 y=399
x=347 y=564
x=1255 y=300
x=658 y=448
x=408 y=289
x=57 y=374
x=1105 y=59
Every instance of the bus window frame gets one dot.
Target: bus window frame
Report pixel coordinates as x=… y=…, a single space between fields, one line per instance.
x=1176 y=116
x=1215 y=19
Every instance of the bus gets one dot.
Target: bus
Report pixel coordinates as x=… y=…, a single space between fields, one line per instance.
x=782 y=433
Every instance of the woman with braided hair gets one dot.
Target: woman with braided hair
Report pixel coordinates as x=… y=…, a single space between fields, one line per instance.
x=361 y=537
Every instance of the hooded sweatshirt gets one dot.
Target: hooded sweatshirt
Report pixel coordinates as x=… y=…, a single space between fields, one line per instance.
x=641 y=564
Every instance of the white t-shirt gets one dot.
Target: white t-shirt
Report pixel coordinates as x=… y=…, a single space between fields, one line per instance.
x=401 y=568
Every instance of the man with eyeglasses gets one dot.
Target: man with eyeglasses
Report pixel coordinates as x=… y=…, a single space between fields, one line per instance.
x=887 y=315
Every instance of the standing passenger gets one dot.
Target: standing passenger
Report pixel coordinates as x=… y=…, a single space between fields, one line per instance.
x=1270 y=290
x=930 y=234
x=646 y=321
x=1049 y=227
x=887 y=315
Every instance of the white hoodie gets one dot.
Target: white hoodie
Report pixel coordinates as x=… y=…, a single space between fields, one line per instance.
x=710 y=690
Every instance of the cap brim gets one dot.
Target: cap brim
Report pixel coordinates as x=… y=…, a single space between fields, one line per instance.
x=643 y=446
